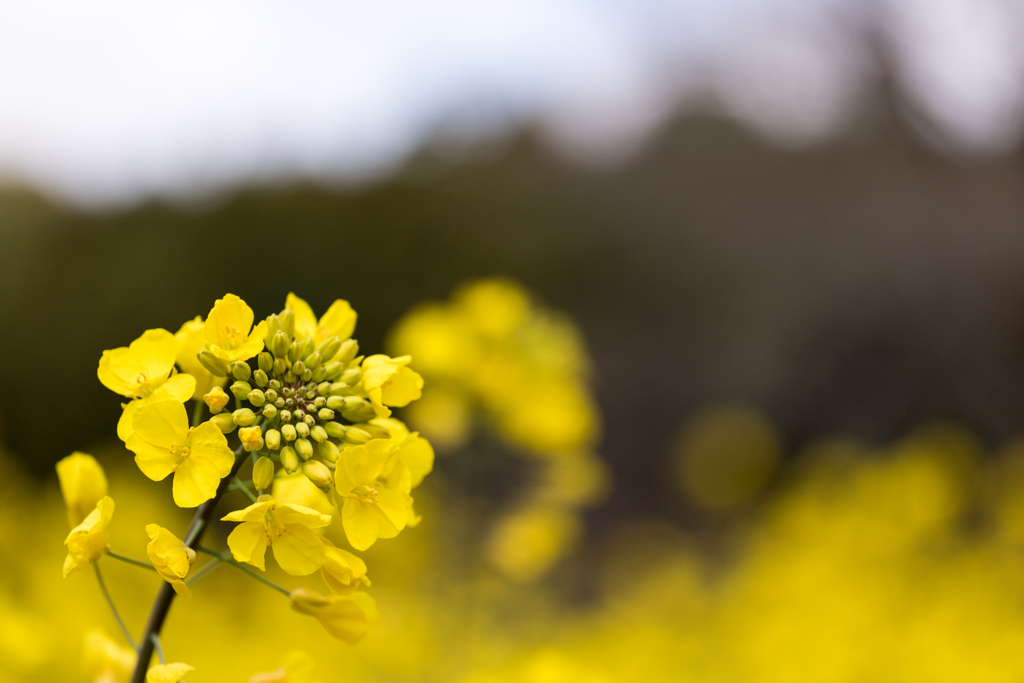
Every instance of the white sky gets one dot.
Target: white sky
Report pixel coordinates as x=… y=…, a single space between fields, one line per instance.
x=110 y=101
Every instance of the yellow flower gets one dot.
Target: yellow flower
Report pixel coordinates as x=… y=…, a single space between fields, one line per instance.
x=339 y=320
x=168 y=673
x=137 y=370
x=177 y=388
x=251 y=437
x=229 y=331
x=346 y=618
x=190 y=340
x=82 y=483
x=170 y=557
x=284 y=527
x=104 y=661
x=163 y=443
x=389 y=382
x=88 y=541
x=298 y=489
x=298 y=668
x=216 y=399
x=375 y=486
x=342 y=571
x=414 y=451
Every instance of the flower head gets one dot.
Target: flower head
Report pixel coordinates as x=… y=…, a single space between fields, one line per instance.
x=284 y=527
x=170 y=557
x=339 y=320
x=104 y=661
x=138 y=369
x=229 y=331
x=82 y=483
x=346 y=618
x=375 y=486
x=163 y=444
x=88 y=541
x=168 y=673
x=190 y=340
x=390 y=382
x=342 y=571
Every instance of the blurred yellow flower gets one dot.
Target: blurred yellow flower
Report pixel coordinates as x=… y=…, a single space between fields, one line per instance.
x=88 y=541
x=229 y=332
x=191 y=339
x=389 y=382
x=347 y=618
x=342 y=571
x=170 y=557
x=527 y=542
x=104 y=661
x=375 y=487
x=339 y=320
x=163 y=444
x=286 y=528
x=298 y=668
x=168 y=673
x=82 y=483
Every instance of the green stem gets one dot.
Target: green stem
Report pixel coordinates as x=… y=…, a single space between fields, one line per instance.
x=242 y=567
x=131 y=560
x=197 y=412
x=206 y=569
x=159 y=648
x=244 y=489
x=110 y=602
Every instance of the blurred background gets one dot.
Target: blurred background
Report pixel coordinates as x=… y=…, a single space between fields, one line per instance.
x=785 y=239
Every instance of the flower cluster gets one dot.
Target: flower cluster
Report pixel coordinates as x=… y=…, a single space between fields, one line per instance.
x=302 y=405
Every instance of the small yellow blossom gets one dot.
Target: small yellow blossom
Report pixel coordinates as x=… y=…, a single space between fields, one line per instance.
x=298 y=489
x=284 y=527
x=251 y=437
x=104 y=661
x=88 y=541
x=191 y=339
x=229 y=331
x=375 y=486
x=170 y=557
x=163 y=444
x=339 y=320
x=168 y=673
x=298 y=668
x=389 y=382
x=82 y=483
x=138 y=369
x=216 y=399
x=342 y=571
x=347 y=618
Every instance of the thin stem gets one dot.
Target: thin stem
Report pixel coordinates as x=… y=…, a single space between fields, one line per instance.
x=238 y=565
x=197 y=412
x=244 y=489
x=193 y=532
x=203 y=571
x=110 y=602
x=131 y=560
x=159 y=648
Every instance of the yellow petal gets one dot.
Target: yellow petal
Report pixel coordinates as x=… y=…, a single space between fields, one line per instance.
x=298 y=550
x=289 y=513
x=343 y=572
x=405 y=387
x=177 y=388
x=305 y=320
x=135 y=370
x=191 y=339
x=360 y=523
x=161 y=424
x=338 y=321
x=155 y=462
x=195 y=482
x=228 y=322
x=254 y=513
x=82 y=483
x=248 y=543
x=417 y=454
x=167 y=673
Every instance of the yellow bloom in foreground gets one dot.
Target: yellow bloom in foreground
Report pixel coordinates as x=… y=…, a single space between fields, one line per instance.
x=375 y=487
x=104 y=661
x=138 y=369
x=170 y=557
x=414 y=451
x=298 y=668
x=178 y=388
x=167 y=673
x=346 y=618
x=88 y=541
x=284 y=527
x=82 y=483
x=190 y=340
x=163 y=444
x=229 y=331
x=342 y=571
x=339 y=320
x=390 y=382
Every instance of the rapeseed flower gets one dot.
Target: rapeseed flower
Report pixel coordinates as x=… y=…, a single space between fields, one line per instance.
x=163 y=444
x=342 y=571
x=168 y=673
x=375 y=487
x=170 y=557
x=347 y=618
x=88 y=541
x=390 y=382
x=339 y=320
x=82 y=483
x=191 y=339
x=230 y=335
x=286 y=528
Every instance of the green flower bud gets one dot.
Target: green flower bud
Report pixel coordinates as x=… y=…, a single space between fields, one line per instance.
x=355 y=435
x=288 y=321
x=299 y=414
x=241 y=371
x=333 y=370
x=309 y=420
x=325 y=414
x=279 y=402
x=265 y=361
x=306 y=347
x=273 y=327
x=271 y=395
x=302 y=429
x=243 y=417
x=289 y=459
x=280 y=367
x=288 y=432
x=349 y=349
x=293 y=351
x=304 y=448
x=311 y=394
x=225 y=422
x=340 y=389
x=263 y=473
x=318 y=374
x=335 y=402
x=335 y=430
x=357 y=409
x=280 y=344
x=270 y=411
x=216 y=366
x=318 y=434
x=313 y=360
x=323 y=389
x=329 y=348
x=320 y=402
x=317 y=473
x=289 y=377
x=307 y=375
x=257 y=398
x=298 y=367
x=261 y=378
x=328 y=451
x=240 y=389
x=273 y=439
x=352 y=376
x=286 y=415
x=274 y=384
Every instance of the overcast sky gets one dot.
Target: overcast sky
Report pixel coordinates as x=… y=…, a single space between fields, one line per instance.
x=110 y=101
